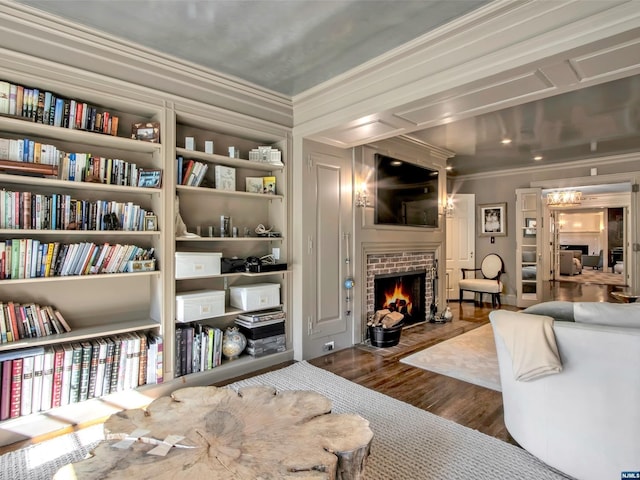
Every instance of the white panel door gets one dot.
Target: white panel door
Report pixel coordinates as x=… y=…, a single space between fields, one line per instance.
x=329 y=182
x=461 y=242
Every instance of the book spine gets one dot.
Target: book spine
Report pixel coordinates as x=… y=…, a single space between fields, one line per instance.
x=5 y=394
x=108 y=367
x=76 y=366
x=58 y=365
x=85 y=371
x=38 y=378
x=47 y=379
x=93 y=369
x=16 y=387
x=27 y=386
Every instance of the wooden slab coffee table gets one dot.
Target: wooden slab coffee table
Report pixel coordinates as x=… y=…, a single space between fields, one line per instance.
x=255 y=433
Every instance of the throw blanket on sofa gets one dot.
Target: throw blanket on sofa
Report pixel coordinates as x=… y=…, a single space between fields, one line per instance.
x=531 y=344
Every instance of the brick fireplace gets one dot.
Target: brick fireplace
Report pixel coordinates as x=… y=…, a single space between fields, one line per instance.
x=396 y=264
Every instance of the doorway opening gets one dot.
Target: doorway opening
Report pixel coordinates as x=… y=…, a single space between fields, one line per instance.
x=588 y=242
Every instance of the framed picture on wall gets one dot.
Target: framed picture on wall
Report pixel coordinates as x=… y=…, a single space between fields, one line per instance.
x=492 y=220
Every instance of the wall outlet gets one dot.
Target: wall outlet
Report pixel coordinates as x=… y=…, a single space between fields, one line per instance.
x=276 y=253
x=327 y=347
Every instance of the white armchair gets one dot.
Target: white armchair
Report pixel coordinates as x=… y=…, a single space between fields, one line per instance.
x=585 y=420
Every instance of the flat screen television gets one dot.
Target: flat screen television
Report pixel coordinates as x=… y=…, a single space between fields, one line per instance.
x=406 y=193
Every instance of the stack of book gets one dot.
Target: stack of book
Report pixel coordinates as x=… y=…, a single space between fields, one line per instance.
x=198 y=348
x=190 y=172
x=264 y=331
x=40 y=378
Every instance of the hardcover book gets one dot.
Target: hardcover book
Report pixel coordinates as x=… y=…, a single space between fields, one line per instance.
x=269 y=185
x=225 y=177
x=47 y=379
x=254 y=184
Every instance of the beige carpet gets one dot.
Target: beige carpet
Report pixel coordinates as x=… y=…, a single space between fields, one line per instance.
x=589 y=275
x=470 y=357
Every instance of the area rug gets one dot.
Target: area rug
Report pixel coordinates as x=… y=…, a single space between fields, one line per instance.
x=470 y=357
x=408 y=443
x=595 y=277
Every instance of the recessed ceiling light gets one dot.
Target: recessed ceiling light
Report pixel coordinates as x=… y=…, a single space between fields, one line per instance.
x=396 y=163
x=537 y=157
x=449 y=168
x=505 y=141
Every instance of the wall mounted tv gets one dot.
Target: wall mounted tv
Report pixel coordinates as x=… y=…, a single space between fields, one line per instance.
x=406 y=193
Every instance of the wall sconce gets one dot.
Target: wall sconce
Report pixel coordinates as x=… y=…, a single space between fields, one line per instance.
x=449 y=207
x=362 y=199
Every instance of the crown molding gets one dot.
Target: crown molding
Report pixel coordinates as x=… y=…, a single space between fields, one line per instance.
x=497 y=42
x=592 y=162
x=31 y=32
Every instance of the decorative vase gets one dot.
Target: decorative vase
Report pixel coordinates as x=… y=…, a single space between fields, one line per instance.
x=233 y=343
x=447 y=315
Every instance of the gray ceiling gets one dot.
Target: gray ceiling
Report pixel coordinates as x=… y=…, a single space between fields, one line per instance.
x=289 y=46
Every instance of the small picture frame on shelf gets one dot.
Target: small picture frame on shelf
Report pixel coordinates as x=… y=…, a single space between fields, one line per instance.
x=146 y=132
x=150 y=223
x=150 y=177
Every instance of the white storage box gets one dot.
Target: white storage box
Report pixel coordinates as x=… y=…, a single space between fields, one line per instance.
x=199 y=304
x=197 y=264
x=256 y=296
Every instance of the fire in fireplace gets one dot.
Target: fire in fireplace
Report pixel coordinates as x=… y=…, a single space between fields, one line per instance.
x=403 y=292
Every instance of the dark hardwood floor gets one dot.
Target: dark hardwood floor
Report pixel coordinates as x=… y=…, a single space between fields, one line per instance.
x=475 y=407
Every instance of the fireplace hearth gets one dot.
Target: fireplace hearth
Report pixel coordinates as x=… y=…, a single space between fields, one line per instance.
x=402 y=292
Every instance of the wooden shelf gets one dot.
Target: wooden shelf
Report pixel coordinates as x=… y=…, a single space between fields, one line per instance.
x=229 y=239
x=26 y=127
x=24 y=232
x=83 y=333
x=75 y=278
x=236 y=193
x=238 y=274
x=65 y=184
x=228 y=161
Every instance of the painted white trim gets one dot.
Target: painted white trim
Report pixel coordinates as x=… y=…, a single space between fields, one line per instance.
x=500 y=41
x=592 y=162
x=31 y=31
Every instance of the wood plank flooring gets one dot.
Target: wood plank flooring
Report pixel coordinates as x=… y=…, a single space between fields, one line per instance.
x=466 y=404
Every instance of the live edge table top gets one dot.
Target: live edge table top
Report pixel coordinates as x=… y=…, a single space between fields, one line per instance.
x=220 y=433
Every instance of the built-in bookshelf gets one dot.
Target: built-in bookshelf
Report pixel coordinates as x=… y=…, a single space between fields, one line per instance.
x=109 y=306
x=201 y=208
x=67 y=234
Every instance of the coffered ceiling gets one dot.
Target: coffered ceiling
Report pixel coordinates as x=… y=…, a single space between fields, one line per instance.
x=583 y=106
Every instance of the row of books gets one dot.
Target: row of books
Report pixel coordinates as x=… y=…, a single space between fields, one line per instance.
x=19 y=321
x=190 y=172
x=48 y=108
x=83 y=167
x=27 y=150
x=38 y=379
x=28 y=210
x=29 y=258
x=198 y=348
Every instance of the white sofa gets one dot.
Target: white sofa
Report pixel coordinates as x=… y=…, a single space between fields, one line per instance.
x=585 y=420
